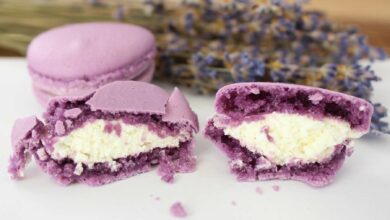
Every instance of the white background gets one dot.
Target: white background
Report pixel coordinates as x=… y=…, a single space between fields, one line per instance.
x=360 y=191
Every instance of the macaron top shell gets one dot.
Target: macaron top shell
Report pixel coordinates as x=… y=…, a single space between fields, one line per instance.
x=134 y=97
x=129 y=96
x=87 y=50
x=255 y=98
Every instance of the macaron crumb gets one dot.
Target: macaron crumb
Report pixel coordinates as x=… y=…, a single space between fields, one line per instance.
x=234 y=203
x=259 y=190
x=59 y=128
x=177 y=210
x=276 y=188
x=157 y=198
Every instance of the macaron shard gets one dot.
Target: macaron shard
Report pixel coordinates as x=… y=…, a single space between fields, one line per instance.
x=122 y=129
x=82 y=57
x=284 y=131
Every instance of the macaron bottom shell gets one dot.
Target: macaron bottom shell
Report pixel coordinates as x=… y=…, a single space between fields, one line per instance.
x=147 y=76
x=43 y=95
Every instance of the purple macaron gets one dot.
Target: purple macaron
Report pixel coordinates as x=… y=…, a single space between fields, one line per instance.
x=122 y=129
x=82 y=57
x=283 y=131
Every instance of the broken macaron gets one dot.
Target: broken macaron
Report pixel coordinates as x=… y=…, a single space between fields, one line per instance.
x=122 y=129
x=283 y=131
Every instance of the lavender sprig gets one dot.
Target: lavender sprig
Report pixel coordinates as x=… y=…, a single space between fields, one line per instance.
x=208 y=45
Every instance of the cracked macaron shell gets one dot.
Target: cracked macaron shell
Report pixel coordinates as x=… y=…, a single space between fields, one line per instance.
x=138 y=97
x=265 y=94
x=22 y=127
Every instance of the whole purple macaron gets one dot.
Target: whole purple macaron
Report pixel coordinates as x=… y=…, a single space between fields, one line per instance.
x=82 y=57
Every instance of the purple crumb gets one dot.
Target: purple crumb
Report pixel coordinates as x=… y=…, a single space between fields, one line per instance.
x=68 y=123
x=234 y=203
x=316 y=98
x=59 y=128
x=168 y=178
x=276 y=188
x=259 y=190
x=72 y=113
x=110 y=127
x=177 y=210
x=118 y=129
x=265 y=129
x=167 y=170
x=157 y=198
x=349 y=151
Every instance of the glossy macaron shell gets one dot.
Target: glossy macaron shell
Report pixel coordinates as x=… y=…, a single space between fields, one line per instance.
x=86 y=50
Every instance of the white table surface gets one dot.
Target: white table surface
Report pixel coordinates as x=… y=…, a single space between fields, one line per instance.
x=360 y=191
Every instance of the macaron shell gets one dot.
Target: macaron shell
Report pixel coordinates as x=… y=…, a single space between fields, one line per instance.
x=317 y=102
x=147 y=76
x=41 y=96
x=88 y=49
x=44 y=96
x=21 y=128
x=129 y=96
x=179 y=110
x=136 y=97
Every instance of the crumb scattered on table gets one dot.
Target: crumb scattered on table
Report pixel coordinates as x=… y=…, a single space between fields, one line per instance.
x=276 y=188
x=259 y=190
x=178 y=210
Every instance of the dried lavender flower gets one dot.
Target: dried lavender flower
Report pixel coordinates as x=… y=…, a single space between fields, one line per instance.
x=206 y=44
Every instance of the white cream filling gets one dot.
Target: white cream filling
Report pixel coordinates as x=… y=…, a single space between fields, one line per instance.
x=284 y=138
x=92 y=144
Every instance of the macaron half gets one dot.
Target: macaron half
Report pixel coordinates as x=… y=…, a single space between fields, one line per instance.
x=284 y=131
x=82 y=57
x=122 y=129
